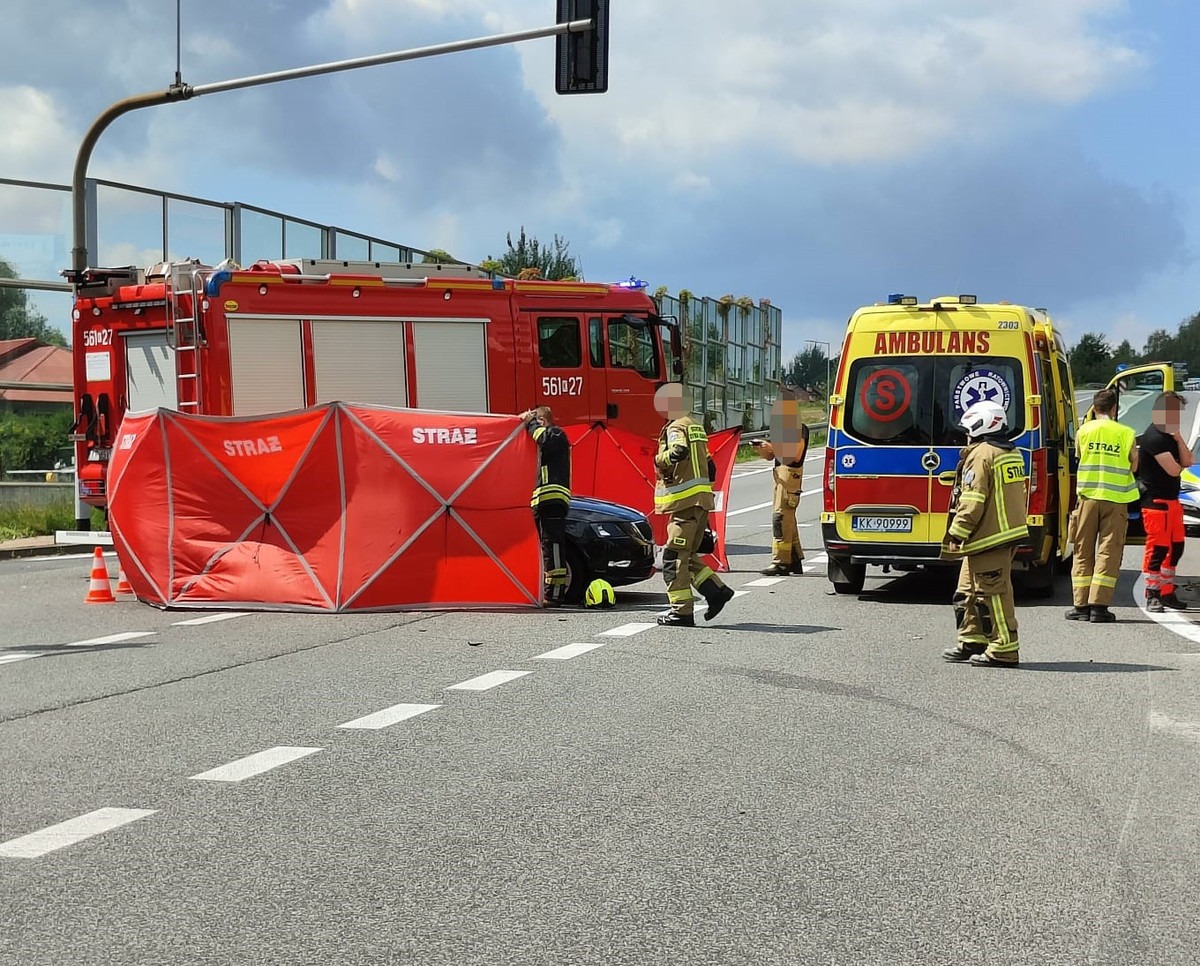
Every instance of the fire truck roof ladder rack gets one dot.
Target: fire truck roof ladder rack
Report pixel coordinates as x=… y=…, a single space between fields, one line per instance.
x=413 y=272
x=183 y=331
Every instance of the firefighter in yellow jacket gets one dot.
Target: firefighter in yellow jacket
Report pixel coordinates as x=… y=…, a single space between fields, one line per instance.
x=684 y=492
x=787 y=449
x=987 y=521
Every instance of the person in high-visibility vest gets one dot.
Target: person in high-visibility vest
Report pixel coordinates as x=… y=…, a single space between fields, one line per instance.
x=1108 y=459
x=685 y=472
x=987 y=521
x=551 y=498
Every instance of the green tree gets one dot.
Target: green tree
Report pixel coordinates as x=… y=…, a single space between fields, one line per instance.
x=17 y=319
x=1160 y=346
x=1092 y=359
x=806 y=370
x=554 y=262
x=439 y=256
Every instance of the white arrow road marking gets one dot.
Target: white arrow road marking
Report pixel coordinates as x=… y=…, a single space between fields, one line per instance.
x=255 y=764
x=389 y=716
x=486 y=681
x=71 y=831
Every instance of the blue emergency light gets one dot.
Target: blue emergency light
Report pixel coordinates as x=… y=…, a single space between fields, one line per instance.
x=632 y=283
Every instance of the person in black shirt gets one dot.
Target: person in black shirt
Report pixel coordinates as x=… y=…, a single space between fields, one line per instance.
x=551 y=497
x=1164 y=456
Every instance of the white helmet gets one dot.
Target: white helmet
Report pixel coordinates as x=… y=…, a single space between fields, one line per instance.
x=983 y=419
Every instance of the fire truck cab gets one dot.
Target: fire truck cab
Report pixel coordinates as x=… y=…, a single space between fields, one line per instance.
x=288 y=334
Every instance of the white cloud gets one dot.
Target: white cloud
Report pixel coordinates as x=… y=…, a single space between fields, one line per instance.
x=36 y=133
x=831 y=81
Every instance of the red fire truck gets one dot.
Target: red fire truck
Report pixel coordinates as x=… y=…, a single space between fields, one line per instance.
x=293 y=333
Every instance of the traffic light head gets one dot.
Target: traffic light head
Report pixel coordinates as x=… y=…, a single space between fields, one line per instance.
x=581 y=63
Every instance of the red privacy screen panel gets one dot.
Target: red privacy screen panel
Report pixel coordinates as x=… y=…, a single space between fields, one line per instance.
x=334 y=508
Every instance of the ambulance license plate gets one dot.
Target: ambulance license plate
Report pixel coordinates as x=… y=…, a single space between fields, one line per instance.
x=881 y=524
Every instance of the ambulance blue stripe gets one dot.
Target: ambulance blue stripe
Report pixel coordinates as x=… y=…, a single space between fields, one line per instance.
x=905 y=460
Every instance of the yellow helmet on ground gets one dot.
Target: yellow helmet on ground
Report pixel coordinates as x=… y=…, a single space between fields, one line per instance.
x=599 y=593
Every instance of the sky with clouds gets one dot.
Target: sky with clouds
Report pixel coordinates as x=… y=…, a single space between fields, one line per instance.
x=817 y=153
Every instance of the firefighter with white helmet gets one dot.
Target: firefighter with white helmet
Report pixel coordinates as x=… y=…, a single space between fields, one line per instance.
x=987 y=521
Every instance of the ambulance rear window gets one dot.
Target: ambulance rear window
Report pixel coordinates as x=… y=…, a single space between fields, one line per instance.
x=918 y=400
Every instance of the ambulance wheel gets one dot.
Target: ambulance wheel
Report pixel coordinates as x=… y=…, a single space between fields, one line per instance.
x=846 y=577
x=578 y=576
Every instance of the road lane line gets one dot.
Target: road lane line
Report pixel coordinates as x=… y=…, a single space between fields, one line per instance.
x=389 y=716
x=210 y=619
x=486 y=681
x=569 y=651
x=626 y=630
x=1172 y=620
x=254 y=764
x=70 y=832
x=765 y=582
x=748 y=509
x=111 y=639
x=13 y=658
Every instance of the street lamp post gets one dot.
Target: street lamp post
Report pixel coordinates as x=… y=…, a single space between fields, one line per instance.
x=179 y=91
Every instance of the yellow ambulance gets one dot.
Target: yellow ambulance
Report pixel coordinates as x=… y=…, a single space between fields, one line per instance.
x=907 y=371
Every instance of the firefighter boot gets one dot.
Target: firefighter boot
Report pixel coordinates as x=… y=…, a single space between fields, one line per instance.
x=1154 y=604
x=1079 y=613
x=1102 y=615
x=676 y=620
x=964 y=651
x=776 y=570
x=717 y=602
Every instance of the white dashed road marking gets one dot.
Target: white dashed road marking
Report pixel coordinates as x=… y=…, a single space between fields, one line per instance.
x=766 y=582
x=486 y=681
x=627 y=630
x=747 y=509
x=255 y=764
x=389 y=716
x=70 y=832
x=1187 y=730
x=112 y=639
x=569 y=651
x=210 y=619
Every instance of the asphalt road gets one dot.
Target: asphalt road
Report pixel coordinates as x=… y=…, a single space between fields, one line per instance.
x=802 y=781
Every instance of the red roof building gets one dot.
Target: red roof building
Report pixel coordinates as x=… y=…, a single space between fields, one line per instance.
x=33 y=362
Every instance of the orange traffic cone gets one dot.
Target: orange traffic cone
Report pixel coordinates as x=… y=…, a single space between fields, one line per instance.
x=100 y=588
x=123 y=585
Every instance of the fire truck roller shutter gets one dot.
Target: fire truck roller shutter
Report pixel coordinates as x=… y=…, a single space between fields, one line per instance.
x=149 y=372
x=451 y=365
x=266 y=365
x=360 y=360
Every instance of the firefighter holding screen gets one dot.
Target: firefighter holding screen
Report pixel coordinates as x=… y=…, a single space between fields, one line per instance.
x=551 y=497
x=987 y=520
x=787 y=448
x=685 y=472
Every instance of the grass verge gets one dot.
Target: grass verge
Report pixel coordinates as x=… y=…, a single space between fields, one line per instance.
x=17 y=523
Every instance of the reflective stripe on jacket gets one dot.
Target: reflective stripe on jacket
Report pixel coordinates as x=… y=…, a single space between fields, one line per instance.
x=1105 y=447
x=682 y=466
x=990 y=509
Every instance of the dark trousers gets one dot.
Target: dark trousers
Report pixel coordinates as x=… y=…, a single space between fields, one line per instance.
x=551 y=518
